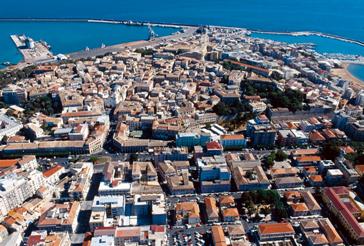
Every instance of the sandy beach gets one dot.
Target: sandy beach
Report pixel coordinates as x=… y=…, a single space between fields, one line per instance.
x=344 y=73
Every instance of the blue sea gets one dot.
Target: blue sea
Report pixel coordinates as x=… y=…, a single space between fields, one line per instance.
x=341 y=17
x=357 y=71
x=322 y=45
x=344 y=18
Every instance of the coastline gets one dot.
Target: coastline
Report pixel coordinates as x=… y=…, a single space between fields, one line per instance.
x=344 y=73
x=312 y=33
x=181 y=25
x=67 y=37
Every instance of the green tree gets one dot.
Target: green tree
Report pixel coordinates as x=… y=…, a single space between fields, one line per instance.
x=94 y=159
x=280 y=155
x=249 y=174
x=280 y=212
x=221 y=109
x=358 y=156
x=246 y=197
x=269 y=160
x=39 y=104
x=291 y=99
x=11 y=76
x=145 y=52
x=330 y=150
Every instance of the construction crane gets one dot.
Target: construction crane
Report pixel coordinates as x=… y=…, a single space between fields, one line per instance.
x=152 y=34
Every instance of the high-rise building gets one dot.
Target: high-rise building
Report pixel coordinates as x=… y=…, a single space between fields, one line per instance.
x=360 y=98
x=13 y=94
x=261 y=132
x=15 y=189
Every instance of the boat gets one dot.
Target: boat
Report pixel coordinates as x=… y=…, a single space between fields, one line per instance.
x=6 y=63
x=87 y=48
x=103 y=45
x=46 y=44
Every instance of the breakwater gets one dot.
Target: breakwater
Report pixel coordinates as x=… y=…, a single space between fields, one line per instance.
x=178 y=25
x=67 y=36
x=310 y=33
x=92 y=20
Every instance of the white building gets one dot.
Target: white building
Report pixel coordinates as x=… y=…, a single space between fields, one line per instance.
x=8 y=126
x=107 y=211
x=52 y=175
x=14 y=190
x=360 y=98
x=114 y=188
x=81 y=184
x=35 y=180
x=103 y=240
x=28 y=162
x=114 y=204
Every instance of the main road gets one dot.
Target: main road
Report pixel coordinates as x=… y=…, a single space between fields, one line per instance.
x=187 y=32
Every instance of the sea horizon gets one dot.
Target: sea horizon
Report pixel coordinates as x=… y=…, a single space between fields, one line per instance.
x=325 y=16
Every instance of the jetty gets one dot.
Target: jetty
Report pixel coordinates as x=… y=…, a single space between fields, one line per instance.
x=40 y=53
x=308 y=33
x=179 y=25
x=32 y=51
x=187 y=31
x=104 y=21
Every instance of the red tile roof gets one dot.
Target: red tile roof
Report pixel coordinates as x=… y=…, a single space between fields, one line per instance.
x=213 y=145
x=230 y=212
x=310 y=169
x=52 y=171
x=313 y=158
x=33 y=240
x=351 y=207
x=333 y=194
x=360 y=169
x=226 y=200
x=211 y=208
x=316 y=178
x=249 y=66
x=316 y=137
x=298 y=152
x=276 y=228
x=8 y=163
x=218 y=236
x=299 y=207
x=157 y=228
x=348 y=149
x=130 y=232
x=232 y=137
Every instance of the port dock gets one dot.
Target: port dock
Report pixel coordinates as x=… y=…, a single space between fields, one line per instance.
x=42 y=54
x=32 y=51
x=187 y=31
x=309 y=33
